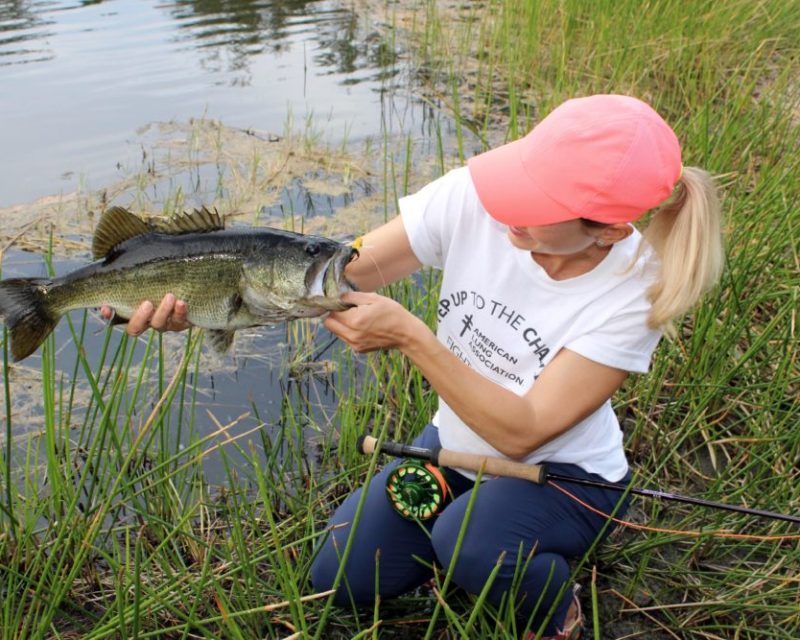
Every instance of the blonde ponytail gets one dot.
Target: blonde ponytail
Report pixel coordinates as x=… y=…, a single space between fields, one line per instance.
x=685 y=233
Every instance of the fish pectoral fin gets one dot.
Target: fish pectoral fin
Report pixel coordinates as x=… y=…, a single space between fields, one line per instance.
x=115 y=227
x=263 y=305
x=220 y=339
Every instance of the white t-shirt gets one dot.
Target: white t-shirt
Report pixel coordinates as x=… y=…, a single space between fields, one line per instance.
x=502 y=315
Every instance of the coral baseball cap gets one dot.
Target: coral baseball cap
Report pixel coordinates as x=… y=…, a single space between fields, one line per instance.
x=608 y=158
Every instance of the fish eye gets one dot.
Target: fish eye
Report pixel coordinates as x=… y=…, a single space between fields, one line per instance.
x=313 y=248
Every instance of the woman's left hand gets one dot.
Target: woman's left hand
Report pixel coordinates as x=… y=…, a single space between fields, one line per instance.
x=376 y=322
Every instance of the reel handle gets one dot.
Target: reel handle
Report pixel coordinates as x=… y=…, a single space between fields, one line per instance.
x=456 y=459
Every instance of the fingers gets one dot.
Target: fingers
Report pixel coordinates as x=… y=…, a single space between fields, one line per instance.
x=364 y=306
x=349 y=319
x=350 y=337
x=336 y=326
x=180 y=316
x=140 y=320
x=171 y=315
x=160 y=320
x=359 y=297
x=372 y=324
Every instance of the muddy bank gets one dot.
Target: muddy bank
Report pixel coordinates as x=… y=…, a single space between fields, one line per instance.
x=255 y=178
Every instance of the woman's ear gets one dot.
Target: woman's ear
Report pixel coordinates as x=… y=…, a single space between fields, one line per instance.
x=614 y=233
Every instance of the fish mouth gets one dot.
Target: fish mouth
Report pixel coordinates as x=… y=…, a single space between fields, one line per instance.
x=330 y=281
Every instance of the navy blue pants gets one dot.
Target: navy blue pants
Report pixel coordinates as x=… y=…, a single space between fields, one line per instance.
x=509 y=515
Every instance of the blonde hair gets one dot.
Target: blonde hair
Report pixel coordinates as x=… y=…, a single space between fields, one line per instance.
x=685 y=233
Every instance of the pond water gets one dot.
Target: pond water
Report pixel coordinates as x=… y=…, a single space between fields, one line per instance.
x=82 y=81
x=80 y=78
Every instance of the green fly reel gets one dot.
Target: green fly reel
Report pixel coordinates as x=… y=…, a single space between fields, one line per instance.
x=417 y=490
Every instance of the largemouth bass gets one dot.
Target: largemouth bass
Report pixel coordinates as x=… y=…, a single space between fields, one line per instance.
x=230 y=278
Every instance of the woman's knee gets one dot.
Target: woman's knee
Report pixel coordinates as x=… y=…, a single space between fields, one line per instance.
x=494 y=535
x=357 y=583
x=329 y=556
x=535 y=578
x=476 y=558
x=383 y=543
x=384 y=546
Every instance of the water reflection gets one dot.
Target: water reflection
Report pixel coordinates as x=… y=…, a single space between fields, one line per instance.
x=24 y=32
x=228 y=34
x=79 y=78
x=245 y=22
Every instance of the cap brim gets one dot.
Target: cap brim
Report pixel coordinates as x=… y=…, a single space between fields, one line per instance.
x=508 y=192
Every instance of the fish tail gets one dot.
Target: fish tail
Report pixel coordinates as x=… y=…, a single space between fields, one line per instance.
x=27 y=314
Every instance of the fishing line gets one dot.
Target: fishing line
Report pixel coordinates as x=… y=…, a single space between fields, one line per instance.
x=358 y=245
x=692 y=533
x=316 y=356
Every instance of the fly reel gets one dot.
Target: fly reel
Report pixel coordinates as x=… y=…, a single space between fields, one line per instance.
x=417 y=490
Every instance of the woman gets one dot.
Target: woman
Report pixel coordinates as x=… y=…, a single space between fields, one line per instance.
x=549 y=298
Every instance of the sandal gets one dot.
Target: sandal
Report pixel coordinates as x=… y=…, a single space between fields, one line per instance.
x=573 y=625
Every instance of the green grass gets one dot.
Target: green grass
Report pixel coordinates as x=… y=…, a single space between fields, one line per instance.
x=108 y=530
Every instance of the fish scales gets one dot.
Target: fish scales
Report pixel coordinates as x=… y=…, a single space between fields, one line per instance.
x=206 y=283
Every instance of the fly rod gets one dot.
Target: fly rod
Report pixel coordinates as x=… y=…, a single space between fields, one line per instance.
x=419 y=488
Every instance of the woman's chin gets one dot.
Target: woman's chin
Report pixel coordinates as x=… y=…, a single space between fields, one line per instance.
x=520 y=240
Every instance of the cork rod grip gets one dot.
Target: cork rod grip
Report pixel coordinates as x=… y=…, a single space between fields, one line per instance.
x=468 y=461
x=367 y=445
x=493 y=466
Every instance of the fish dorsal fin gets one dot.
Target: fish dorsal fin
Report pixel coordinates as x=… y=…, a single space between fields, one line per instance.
x=196 y=221
x=116 y=225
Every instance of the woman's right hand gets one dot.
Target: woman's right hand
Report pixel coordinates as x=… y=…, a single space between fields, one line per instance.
x=171 y=315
